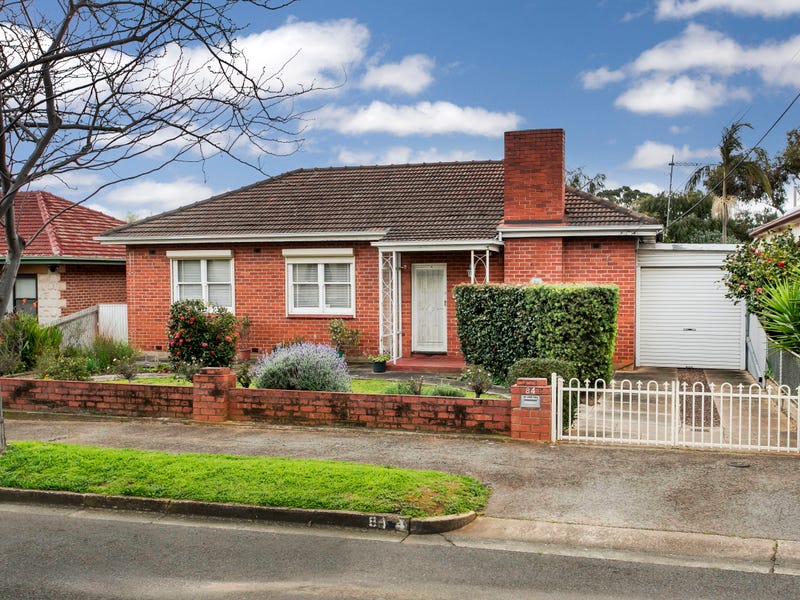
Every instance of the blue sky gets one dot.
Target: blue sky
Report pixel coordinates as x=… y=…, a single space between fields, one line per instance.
x=631 y=83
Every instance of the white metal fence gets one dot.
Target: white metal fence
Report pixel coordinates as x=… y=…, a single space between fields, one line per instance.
x=677 y=414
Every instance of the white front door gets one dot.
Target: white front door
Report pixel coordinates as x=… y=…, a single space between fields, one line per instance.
x=429 y=308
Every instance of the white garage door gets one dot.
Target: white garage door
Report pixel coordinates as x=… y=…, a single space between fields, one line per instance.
x=684 y=318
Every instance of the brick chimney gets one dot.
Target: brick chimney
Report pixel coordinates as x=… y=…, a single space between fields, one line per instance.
x=534 y=177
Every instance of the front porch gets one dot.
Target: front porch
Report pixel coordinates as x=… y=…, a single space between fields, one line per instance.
x=421 y=363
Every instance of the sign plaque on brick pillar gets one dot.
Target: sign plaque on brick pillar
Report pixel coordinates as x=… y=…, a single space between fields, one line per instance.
x=531 y=409
x=210 y=396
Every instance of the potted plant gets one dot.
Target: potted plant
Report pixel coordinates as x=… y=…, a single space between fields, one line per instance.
x=379 y=362
x=342 y=336
x=244 y=338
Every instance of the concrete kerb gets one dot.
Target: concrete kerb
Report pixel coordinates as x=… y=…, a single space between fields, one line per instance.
x=639 y=545
x=336 y=518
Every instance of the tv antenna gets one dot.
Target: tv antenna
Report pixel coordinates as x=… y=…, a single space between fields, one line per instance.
x=672 y=165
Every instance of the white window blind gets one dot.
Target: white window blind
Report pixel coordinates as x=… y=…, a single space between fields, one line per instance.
x=209 y=280
x=321 y=285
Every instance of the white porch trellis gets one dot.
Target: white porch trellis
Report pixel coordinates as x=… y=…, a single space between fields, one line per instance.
x=389 y=305
x=390 y=293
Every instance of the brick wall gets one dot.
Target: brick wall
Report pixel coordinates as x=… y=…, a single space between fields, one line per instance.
x=582 y=260
x=608 y=260
x=97 y=398
x=259 y=292
x=215 y=398
x=534 y=176
x=526 y=259
x=86 y=285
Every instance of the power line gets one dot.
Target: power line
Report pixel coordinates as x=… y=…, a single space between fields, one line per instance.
x=744 y=157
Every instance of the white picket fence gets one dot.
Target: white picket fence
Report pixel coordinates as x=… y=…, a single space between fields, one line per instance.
x=81 y=327
x=678 y=415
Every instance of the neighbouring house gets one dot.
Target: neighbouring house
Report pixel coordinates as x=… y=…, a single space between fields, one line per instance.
x=791 y=220
x=382 y=248
x=64 y=270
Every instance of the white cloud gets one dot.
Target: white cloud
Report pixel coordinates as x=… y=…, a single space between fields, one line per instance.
x=693 y=71
x=302 y=53
x=423 y=118
x=83 y=181
x=593 y=80
x=147 y=196
x=697 y=47
x=409 y=76
x=667 y=96
x=648 y=187
x=654 y=155
x=685 y=9
x=435 y=155
x=347 y=156
x=395 y=155
x=678 y=129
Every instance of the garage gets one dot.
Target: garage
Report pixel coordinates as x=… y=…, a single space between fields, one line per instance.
x=683 y=318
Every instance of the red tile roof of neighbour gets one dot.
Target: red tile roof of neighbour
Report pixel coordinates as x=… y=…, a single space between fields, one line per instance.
x=68 y=236
x=415 y=202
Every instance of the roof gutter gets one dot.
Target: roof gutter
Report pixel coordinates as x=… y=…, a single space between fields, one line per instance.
x=643 y=231
x=326 y=236
x=434 y=245
x=67 y=260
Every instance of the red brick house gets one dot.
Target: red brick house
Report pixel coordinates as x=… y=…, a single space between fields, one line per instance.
x=64 y=269
x=382 y=247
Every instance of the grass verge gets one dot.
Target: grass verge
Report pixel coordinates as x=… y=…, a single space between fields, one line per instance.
x=261 y=481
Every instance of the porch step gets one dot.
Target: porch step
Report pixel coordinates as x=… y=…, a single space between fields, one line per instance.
x=427 y=364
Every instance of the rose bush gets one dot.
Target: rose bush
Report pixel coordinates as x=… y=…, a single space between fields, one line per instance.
x=759 y=265
x=201 y=335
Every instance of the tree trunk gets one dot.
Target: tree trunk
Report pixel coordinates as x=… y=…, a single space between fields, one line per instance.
x=13 y=257
x=724 y=208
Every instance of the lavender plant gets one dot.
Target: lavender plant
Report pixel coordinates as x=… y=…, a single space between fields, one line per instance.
x=303 y=366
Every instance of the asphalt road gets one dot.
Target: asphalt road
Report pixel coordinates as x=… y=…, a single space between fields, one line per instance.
x=62 y=554
x=652 y=489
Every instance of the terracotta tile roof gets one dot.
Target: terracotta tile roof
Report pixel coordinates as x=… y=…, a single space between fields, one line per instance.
x=583 y=209
x=70 y=235
x=415 y=202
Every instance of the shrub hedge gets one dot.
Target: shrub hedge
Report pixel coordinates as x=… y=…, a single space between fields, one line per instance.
x=501 y=324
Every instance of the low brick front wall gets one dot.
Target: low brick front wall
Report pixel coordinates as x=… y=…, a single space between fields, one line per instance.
x=416 y=413
x=215 y=398
x=88 y=397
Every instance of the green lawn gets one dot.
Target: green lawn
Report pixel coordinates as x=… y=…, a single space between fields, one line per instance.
x=359 y=386
x=262 y=481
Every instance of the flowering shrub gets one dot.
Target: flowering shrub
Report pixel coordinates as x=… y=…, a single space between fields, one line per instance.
x=201 y=335
x=760 y=264
x=304 y=366
x=477 y=378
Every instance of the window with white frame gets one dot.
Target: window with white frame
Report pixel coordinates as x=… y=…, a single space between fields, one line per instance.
x=320 y=284
x=209 y=279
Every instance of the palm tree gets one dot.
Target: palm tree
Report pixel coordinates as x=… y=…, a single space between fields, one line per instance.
x=735 y=173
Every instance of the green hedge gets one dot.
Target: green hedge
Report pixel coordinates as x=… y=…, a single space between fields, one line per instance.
x=501 y=324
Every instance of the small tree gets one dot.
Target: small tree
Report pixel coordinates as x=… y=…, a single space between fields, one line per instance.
x=88 y=86
x=201 y=336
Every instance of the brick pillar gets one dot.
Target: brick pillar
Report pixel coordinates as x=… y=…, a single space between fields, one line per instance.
x=530 y=422
x=210 y=397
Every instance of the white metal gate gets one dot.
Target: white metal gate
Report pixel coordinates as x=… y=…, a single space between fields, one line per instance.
x=677 y=415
